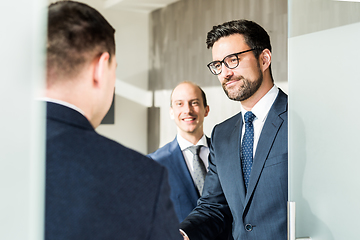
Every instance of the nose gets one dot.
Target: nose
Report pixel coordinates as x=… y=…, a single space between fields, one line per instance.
x=187 y=108
x=226 y=72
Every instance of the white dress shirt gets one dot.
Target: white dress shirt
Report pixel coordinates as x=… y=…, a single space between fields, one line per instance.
x=188 y=156
x=261 y=110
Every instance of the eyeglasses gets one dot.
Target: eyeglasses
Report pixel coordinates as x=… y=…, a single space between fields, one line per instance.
x=230 y=61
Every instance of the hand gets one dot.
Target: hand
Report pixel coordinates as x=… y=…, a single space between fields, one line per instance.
x=184 y=235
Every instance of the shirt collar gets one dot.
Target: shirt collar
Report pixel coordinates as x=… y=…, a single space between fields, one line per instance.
x=262 y=107
x=183 y=143
x=69 y=105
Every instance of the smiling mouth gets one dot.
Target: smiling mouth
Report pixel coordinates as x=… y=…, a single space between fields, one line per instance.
x=188 y=119
x=232 y=82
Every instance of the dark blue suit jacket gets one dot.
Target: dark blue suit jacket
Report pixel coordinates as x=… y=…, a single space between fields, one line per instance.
x=261 y=213
x=99 y=189
x=184 y=193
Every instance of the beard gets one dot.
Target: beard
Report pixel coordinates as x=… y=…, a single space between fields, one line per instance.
x=243 y=92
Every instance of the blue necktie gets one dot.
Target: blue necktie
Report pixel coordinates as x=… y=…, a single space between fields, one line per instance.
x=199 y=171
x=247 y=147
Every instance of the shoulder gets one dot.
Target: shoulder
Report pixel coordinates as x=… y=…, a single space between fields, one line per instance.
x=282 y=97
x=280 y=106
x=165 y=151
x=118 y=151
x=229 y=123
x=281 y=101
x=78 y=146
x=224 y=130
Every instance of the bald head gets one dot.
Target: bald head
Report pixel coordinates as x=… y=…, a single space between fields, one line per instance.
x=190 y=85
x=188 y=110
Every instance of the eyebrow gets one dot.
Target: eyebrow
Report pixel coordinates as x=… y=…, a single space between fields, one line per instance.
x=182 y=100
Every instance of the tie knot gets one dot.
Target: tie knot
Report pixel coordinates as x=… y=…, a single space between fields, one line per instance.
x=195 y=149
x=249 y=116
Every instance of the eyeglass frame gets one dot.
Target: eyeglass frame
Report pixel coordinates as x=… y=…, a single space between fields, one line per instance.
x=226 y=65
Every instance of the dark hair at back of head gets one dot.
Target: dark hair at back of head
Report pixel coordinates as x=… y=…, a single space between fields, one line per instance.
x=255 y=36
x=203 y=96
x=77 y=33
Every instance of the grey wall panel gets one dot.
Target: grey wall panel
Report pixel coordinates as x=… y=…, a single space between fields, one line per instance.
x=309 y=16
x=178 y=34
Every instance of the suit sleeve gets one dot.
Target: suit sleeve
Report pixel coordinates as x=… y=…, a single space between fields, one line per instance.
x=212 y=215
x=165 y=224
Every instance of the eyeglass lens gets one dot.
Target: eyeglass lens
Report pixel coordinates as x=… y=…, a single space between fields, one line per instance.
x=231 y=61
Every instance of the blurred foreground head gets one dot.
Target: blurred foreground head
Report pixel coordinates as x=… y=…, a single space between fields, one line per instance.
x=81 y=62
x=77 y=33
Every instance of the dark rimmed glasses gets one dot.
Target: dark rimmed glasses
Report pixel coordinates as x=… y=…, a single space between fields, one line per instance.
x=230 y=61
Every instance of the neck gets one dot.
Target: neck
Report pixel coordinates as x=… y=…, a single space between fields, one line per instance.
x=265 y=87
x=75 y=95
x=192 y=137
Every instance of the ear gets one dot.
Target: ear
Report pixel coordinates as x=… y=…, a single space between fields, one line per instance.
x=172 y=113
x=100 y=67
x=207 y=110
x=265 y=59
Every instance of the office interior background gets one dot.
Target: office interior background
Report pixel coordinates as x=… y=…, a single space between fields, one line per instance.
x=160 y=43
x=170 y=41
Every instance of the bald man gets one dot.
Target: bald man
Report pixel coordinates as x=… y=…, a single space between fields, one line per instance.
x=188 y=152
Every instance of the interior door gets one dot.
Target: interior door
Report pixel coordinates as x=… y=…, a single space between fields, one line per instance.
x=324 y=119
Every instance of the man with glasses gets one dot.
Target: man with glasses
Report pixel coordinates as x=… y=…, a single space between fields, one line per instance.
x=246 y=185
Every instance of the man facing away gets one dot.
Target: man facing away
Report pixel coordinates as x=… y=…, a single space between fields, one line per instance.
x=246 y=185
x=95 y=187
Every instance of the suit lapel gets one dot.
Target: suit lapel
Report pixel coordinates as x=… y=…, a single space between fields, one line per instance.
x=271 y=127
x=180 y=168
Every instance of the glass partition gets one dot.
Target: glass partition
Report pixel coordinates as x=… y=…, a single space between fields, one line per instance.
x=22 y=147
x=324 y=129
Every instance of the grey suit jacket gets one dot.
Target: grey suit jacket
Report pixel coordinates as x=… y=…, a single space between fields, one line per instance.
x=261 y=213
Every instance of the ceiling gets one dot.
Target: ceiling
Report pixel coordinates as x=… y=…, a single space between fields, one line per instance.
x=145 y=6
x=137 y=5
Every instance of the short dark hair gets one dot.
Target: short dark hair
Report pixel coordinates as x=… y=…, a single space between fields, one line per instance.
x=203 y=95
x=77 y=34
x=255 y=36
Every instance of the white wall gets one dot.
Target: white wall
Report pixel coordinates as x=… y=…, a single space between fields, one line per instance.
x=132 y=98
x=130 y=128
